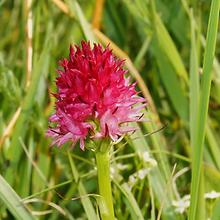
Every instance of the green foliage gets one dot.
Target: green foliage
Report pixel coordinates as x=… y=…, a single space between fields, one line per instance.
x=165 y=41
x=13 y=202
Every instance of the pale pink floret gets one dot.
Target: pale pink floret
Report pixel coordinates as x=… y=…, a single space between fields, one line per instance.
x=94 y=99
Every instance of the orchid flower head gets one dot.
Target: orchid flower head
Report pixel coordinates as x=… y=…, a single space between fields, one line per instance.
x=94 y=99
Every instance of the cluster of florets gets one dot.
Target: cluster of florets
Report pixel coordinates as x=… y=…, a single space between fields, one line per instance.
x=94 y=99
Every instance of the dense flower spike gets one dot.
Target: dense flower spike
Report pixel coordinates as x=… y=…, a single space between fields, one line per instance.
x=94 y=99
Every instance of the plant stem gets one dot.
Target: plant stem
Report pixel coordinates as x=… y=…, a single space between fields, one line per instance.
x=104 y=181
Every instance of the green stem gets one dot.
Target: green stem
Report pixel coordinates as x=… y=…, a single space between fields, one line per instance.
x=104 y=181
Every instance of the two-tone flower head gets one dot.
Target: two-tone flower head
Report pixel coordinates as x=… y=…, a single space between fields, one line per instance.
x=94 y=99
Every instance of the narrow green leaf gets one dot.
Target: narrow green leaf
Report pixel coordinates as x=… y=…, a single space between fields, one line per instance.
x=168 y=76
x=194 y=82
x=86 y=27
x=13 y=201
x=193 y=107
x=133 y=206
x=203 y=106
x=87 y=205
x=167 y=45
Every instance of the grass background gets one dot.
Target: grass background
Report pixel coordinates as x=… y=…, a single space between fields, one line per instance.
x=164 y=43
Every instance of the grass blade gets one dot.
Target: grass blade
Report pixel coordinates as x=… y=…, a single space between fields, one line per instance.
x=194 y=82
x=203 y=106
x=13 y=201
x=193 y=105
x=134 y=209
x=167 y=45
x=87 y=205
x=86 y=27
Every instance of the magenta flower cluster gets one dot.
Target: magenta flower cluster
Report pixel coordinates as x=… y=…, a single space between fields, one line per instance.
x=94 y=99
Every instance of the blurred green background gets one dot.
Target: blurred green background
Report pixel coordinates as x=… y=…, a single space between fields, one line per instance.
x=163 y=43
